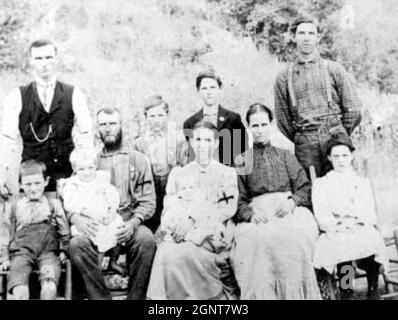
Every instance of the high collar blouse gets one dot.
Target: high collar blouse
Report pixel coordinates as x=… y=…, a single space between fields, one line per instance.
x=267 y=169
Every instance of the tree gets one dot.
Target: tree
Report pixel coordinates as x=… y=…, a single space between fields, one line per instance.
x=268 y=22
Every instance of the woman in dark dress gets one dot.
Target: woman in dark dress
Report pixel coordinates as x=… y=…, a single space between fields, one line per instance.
x=276 y=231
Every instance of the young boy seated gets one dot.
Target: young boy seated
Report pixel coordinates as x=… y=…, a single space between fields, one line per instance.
x=89 y=192
x=38 y=232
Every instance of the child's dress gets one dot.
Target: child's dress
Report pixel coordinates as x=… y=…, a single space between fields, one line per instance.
x=97 y=199
x=207 y=211
x=344 y=207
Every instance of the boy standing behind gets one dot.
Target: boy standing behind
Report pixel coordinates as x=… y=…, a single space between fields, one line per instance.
x=38 y=231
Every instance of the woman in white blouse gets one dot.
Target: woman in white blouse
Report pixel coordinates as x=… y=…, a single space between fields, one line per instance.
x=344 y=207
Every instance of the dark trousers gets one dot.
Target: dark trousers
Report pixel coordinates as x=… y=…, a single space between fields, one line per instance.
x=35 y=244
x=140 y=251
x=160 y=189
x=310 y=149
x=371 y=267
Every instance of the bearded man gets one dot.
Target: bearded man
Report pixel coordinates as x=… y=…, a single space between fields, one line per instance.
x=131 y=174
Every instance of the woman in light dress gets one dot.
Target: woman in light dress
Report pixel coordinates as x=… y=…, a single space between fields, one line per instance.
x=201 y=199
x=344 y=207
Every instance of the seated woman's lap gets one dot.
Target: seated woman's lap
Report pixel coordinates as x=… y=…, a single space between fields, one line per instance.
x=189 y=271
x=266 y=252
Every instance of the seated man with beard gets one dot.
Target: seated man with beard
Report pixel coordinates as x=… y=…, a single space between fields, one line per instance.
x=132 y=176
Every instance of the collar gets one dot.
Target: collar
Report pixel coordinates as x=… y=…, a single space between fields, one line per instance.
x=204 y=170
x=49 y=84
x=313 y=58
x=40 y=200
x=158 y=134
x=349 y=175
x=124 y=149
x=210 y=111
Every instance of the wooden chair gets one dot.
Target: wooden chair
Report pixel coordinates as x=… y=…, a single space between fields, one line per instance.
x=389 y=281
x=65 y=282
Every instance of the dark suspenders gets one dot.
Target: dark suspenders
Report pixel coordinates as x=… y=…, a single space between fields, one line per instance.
x=13 y=216
x=326 y=77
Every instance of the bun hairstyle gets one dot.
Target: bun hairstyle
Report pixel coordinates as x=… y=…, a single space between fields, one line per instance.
x=339 y=139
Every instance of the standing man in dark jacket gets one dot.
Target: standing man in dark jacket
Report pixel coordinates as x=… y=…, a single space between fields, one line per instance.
x=314 y=98
x=232 y=132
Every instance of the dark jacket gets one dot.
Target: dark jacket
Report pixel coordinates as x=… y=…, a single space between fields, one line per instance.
x=232 y=133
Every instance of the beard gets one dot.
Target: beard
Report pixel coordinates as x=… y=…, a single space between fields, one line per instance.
x=112 y=142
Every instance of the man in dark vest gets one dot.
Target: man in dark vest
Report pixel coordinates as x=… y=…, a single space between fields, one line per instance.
x=232 y=132
x=44 y=113
x=314 y=98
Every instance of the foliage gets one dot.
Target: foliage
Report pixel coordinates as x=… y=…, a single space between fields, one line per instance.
x=268 y=22
x=12 y=24
x=121 y=51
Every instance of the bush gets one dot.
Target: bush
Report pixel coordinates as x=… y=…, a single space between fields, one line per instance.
x=267 y=23
x=13 y=22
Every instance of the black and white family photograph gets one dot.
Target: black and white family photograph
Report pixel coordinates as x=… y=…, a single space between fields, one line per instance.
x=206 y=150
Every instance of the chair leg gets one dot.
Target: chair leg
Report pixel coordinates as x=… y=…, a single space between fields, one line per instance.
x=396 y=239
x=68 y=280
x=327 y=285
x=387 y=284
x=332 y=287
x=3 y=287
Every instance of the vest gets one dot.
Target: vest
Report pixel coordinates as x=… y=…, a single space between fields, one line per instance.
x=47 y=136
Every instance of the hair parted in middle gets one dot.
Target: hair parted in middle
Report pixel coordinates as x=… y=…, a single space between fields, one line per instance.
x=256 y=108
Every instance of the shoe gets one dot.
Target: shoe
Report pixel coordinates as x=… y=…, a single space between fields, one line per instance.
x=346 y=294
x=373 y=294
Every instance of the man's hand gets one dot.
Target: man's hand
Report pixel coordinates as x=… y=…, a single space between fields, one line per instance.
x=126 y=231
x=258 y=218
x=181 y=230
x=285 y=208
x=5 y=265
x=85 y=224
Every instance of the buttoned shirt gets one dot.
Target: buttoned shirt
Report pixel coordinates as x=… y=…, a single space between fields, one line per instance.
x=312 y=102
x=210 y=114
x=131 y=174
x=45 y=91
x=166 y=149
x=28 y=212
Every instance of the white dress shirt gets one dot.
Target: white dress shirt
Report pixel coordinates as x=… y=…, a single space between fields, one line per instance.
x=210 y=114
x=82 y=133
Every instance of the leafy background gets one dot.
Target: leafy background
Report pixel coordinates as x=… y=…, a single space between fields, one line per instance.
x=121 y=51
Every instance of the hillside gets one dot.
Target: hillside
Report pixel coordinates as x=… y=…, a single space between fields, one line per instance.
x=121 y=51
